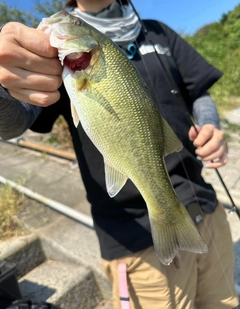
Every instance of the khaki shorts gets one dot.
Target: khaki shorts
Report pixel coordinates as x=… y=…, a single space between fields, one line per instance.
x=199 y=282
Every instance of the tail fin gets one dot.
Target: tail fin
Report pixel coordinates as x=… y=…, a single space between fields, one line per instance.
x=175 y=233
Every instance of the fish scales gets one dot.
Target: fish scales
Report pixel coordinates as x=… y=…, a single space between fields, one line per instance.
x=118 y=114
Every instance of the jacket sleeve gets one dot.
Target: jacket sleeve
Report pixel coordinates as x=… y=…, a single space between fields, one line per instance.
x=205 y=111
x=15 y=116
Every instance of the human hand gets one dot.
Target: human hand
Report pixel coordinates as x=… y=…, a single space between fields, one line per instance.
x=29 y=66
x=211 y=145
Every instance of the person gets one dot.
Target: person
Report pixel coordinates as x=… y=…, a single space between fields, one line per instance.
x=32 y=96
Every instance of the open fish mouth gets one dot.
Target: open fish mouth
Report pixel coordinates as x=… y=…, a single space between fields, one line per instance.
x=74 y=59
x=78 y=61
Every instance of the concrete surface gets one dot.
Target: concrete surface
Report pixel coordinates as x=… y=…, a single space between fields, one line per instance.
x=53 y=177
x=67 y=245
x=50 y=271
x=65 y=284
x=234 y=116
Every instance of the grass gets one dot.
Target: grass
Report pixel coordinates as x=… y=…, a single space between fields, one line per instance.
x=225 y=103
x=234 y=128
x=60 y=134
x=10 y=205
x=231 y=130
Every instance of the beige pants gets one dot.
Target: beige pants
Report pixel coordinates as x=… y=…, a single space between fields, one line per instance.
x=201 y=281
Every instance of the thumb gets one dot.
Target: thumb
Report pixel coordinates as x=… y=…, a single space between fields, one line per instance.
x=192 y=134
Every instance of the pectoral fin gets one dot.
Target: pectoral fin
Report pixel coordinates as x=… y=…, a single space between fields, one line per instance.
x=114 y=180
x=74 y=115
x=171 y=141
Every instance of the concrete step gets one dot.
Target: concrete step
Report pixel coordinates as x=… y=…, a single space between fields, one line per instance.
x=50 y=271
x=65 y=284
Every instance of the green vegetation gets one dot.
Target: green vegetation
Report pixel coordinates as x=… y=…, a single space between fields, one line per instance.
x=232 y=131
x=29 y=18
x=12 y=13
x=60 y=134
x=10 y=204
x=48 y=8
x=219 y=43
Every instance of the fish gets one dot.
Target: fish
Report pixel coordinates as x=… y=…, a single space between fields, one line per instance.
x=116 y=110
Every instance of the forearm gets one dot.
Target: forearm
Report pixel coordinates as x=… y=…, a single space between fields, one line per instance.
x=205 y=111
x=15 y=116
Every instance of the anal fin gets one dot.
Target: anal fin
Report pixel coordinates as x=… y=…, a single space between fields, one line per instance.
x=115 y=180
x=171 y=141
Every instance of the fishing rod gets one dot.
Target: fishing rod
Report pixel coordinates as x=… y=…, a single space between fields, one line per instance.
x=177 y=95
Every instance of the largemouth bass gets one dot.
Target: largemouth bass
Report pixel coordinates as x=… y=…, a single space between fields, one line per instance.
x=118 y=114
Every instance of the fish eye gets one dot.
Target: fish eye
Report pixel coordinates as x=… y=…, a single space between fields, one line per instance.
x=76 y=22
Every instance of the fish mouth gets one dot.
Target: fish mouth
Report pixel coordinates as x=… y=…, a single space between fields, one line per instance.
x=78 y=61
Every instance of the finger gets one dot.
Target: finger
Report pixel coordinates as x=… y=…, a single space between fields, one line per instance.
x=205 y=134
x=20 y=58
x=219 y=157
x=37 y=97
x=214 y=157
x=212 y=150
x=19 y=78
x=33 y=55
x=193 y=132
x=26 y=37
x=217 y=163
